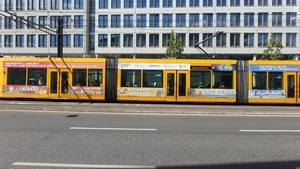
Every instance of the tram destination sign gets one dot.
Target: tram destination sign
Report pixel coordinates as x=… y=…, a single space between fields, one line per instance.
x=274 y=68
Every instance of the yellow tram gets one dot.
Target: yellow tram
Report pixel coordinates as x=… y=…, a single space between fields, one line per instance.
x=53 y=78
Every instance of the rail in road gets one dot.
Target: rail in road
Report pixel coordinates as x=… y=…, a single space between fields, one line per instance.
x=100 y=107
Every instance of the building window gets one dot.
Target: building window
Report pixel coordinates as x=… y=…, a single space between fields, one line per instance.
x=221 y=20
x=115 y=21
x=103 y=4
x=277 y=36
x=180 y=20
x=291 y=39
x=291 y=2
x=221 y=40
x=180 y=3
x=30 y=40
x=128 y=20
x=182 y=36
x=276 y=19
x=20 y=5
x=141 y=3
x=31 y=22
x=262 y=39
x=103 y=21
x=207 y=3
x=54 y=22
x=92 y=42
x=116 y=4
x=262 y=19
x=141 y=20
x=8 y=41
x=194 y=3
x=249 y=2
x=128 y=40
x=92 y=24
x=31 y=4
x=193 y=39
x=235 y=19
x=262 y=2
x=67 y=41
x=154 y=20
x=54 y=4
x=102 y=40
x=92 y=6
x=8 y=23
x=19 y=40
x=0 y=22
x=78 y=40
x=276 y=2
x=140 y=40
x=235 y=2
x=67 y=4
x=78 y=4
x=153 y=40
x=221 y=2
x=43 y=21
x=43 y=4
x=165 y=40
x=115 y=40
x=19 y=22
x=167 y=20
x=194 y=20
x=67 y=21
x=78 y=21
x=209 y=42
x=154 y=3
x=9 y=5
x=248 y=19
x=42 y=40
x=291 y=18
x=128 y=3
x=53 y=40
x=207 y=20
x=0 y=40
x=235 y=40
x=248 y=39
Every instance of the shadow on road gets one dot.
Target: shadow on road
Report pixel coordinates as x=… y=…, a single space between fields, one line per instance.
x=255 y=165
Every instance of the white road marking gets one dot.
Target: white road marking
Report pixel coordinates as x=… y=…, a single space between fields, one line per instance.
x=78 y=165
x=281 y=131
x=131 y=129
x=297 y=167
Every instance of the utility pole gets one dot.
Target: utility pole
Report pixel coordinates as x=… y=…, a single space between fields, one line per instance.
x=60 y=37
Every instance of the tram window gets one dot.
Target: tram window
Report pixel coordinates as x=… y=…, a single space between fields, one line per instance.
x=223 y=80
x=259 y=80
x=153 y=78
x=37 y=76
x=130 y=78
x=79 y=77
x=95 y=78
x=275 y=80
x=200 y=79
x=16 y=76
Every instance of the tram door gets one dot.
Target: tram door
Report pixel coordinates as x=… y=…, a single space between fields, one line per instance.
x=176 y=89
x=292 y=80
x=59 y=83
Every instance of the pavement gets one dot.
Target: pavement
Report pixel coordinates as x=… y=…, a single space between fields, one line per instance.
x=164 y=108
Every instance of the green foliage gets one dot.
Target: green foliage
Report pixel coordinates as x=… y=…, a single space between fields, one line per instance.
x=273 y=49
x=175 y=47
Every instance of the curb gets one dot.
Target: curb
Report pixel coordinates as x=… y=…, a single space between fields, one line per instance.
x=135 y=111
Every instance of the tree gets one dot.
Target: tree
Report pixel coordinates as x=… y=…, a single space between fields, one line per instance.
x=175 y=47
x=273 y=49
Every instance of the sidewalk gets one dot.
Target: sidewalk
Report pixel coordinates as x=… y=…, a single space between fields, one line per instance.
x=89 y=107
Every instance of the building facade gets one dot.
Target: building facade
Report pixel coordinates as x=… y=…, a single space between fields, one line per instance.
x=141 y=28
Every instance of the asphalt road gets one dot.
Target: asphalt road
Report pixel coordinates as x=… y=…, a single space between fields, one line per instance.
x=70 y=140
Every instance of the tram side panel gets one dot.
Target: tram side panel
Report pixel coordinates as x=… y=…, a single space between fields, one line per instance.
x=212 y=81
x=274 y=82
